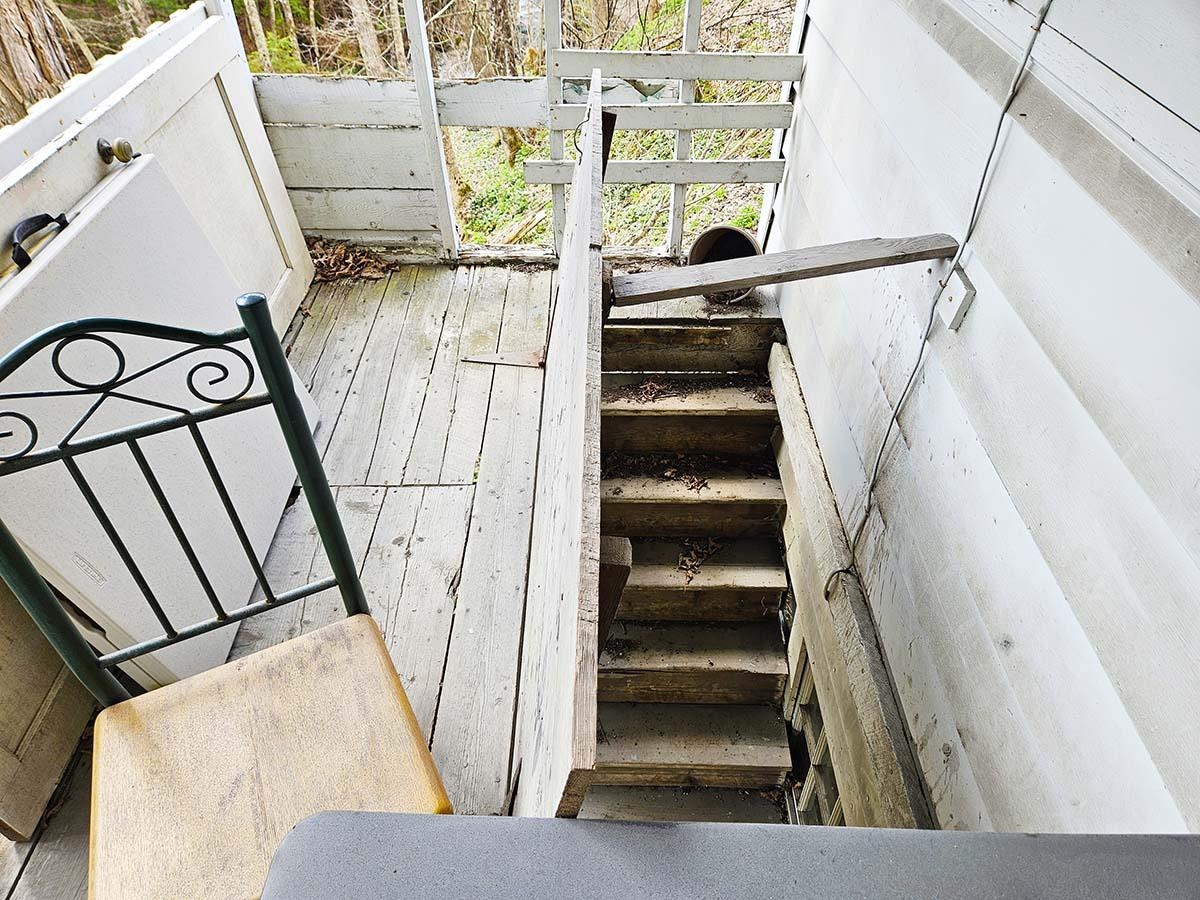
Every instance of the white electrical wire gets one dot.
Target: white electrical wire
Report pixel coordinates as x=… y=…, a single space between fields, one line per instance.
x=1018 y=77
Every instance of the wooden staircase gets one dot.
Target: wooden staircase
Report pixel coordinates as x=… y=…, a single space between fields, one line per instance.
x=692 y=675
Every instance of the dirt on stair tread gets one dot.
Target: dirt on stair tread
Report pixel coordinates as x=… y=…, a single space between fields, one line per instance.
x=684 y=804
x=753 y=647
x=693 y=470
x=658 y=393
x=734 y=562
x=712 y=745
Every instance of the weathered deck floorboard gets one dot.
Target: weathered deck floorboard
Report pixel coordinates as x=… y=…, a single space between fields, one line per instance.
x=432 y=462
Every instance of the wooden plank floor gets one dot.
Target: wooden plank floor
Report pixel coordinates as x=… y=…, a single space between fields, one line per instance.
x=432 y=461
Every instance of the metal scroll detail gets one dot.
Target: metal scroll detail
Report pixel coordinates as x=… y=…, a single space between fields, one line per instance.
x=218 y=374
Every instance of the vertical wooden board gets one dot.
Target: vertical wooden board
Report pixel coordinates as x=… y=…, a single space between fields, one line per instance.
x=352 y=442
x=473 y=381
x=556 y=721
x=43 y=710
x=287 y=565
x=429 y=440
x=472 y=739
x=404 y=393
x=312 y=327
x=358 y=508
x=416 y=578
x=879 y=781
x=58 y=862
x=339 y=360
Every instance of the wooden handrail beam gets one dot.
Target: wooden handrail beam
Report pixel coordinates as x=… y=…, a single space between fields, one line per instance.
x=774 y=268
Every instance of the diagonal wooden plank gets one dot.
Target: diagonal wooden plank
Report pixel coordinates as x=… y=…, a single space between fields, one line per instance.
x=429 y=441
x=352 y=443
x=472 y=735
x=334 y=371
x=473 y=381
x=58 y=863
x=287 y=565
x=773 y=268
x=420 y=608
x=411 y=367
x=314 y=322
x=358 y=507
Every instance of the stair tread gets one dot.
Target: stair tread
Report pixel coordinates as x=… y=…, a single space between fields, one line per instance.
x=705 y=744
x=749 y=564
x=734 y=487
x=704 y=400
x=676 y=804
x=748 y=647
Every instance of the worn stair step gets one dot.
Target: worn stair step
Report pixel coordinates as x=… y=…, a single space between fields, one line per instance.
x=743 y=580
x=713 y=745
x=682 y=804
x=686 y=413
x=678 y=662
x=727 y=347
x=729 y=504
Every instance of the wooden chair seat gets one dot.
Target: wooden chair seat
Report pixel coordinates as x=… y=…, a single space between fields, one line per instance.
x=194 y=785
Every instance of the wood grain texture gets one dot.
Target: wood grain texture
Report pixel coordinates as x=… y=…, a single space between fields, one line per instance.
x=878 y=779
x=556 y=719
x=473 y=736
x=690 y=66
x=705 y=746
x=689 y=663
x=665 y=804
x=743 y=581
x=773 y=268
x=43 y=711
x=729 y=505
x=657 y=116
x=636 y=171
x=688 y=348
x=335 y=156
x=194 y=785
x=58 y=861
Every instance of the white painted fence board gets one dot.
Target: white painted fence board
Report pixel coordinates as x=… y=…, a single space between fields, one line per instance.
x=492 y=102
x=49 y=117
x=419 y=56
x=556 y=714
x=333 y=156
x=619 y=91
x=694 y=66
x=329 y=100
x=366 y=209
x=643 y=171
x=655 y=116
x=337 y=100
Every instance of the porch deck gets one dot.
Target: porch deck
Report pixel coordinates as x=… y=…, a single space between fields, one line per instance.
x=432 y=460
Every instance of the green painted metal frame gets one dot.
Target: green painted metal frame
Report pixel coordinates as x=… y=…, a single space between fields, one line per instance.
x=19 y=573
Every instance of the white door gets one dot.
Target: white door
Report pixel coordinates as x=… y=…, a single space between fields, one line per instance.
x=133 y=250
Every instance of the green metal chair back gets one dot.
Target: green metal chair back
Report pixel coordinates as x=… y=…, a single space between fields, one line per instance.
x=18 y=571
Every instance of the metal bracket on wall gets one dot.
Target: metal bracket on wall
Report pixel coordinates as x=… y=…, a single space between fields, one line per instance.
x=956 y=298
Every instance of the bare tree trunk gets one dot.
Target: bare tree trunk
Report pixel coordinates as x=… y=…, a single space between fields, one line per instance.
x=289 y=17
x=399 y=38
x=134 y=18
x=260 y=39
x=37 y=54
x=271 y=16
x=368 y=40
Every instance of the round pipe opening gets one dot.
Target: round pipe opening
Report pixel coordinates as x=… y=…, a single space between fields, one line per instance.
x=722 y=242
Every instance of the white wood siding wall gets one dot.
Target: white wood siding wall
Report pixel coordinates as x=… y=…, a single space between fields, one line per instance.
x=183 y=93
x=1034 y=561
